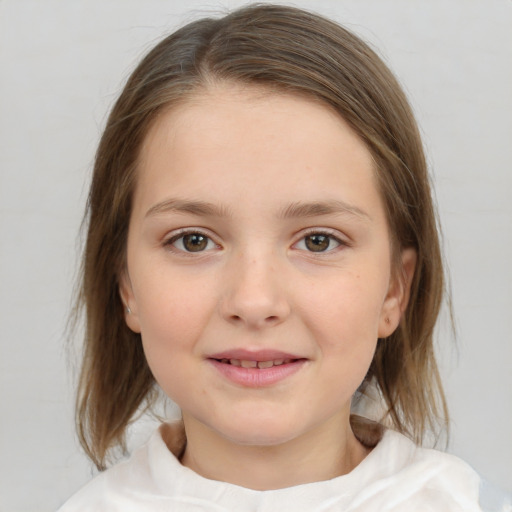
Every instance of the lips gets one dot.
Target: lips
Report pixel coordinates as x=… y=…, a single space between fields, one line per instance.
x=256 y=369
x=254 y=355
x=249 y=363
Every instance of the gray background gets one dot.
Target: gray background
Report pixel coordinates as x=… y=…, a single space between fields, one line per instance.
x=61 y=66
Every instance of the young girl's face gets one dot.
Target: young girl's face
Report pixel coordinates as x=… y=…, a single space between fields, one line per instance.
x=258 y=264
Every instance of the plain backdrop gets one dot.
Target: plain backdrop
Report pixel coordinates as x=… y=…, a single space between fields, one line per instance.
x=62 y=63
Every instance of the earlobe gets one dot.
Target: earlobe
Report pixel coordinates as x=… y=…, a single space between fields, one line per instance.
x=398 y=294
x=128 y=300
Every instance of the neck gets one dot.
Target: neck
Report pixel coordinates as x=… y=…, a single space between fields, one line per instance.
x=325 y=453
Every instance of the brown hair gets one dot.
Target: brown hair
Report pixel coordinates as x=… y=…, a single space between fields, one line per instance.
x=288 y=50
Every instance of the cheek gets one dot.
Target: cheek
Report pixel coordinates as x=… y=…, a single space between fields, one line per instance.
x=172 y=311
x=344 y=319
x=173 y=316
x=348 y=304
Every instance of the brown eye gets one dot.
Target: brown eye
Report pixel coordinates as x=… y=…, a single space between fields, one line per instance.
x=195 y=242
x=191 y=242
x=317 y=243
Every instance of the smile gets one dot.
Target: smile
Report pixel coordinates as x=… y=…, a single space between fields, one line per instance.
x=256 y=369
x=246 y=363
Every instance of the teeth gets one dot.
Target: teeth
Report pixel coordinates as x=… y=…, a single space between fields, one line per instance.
x=255 y=364
x=265 y=364
x=248 y=364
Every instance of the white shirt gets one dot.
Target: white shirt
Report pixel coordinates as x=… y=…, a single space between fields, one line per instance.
x=396 y=476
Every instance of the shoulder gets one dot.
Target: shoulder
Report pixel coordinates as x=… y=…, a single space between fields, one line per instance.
x=127 y=486
x=108 y=490
x=404 y=476
x=398 y=459
x=431 y=463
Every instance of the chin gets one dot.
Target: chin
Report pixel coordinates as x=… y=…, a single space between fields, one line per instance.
x=251 y=432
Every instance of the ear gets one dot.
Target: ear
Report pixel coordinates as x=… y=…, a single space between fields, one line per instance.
x=398 y=294
x=129 y=303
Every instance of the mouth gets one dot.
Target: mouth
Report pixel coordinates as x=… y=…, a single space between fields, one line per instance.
x=261 y=365
x=256 y=369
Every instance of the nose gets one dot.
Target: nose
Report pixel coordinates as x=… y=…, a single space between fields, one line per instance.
x=255 y=294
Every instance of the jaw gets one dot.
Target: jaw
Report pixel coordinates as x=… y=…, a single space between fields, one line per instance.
x=264 y=462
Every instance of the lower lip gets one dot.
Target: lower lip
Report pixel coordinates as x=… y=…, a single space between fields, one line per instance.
x=256 y=377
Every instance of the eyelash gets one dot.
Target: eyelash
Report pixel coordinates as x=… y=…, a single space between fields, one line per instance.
x=323 y=232
x=169 y=243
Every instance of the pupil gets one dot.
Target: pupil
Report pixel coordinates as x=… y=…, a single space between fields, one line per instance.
x=317 y=243
x=195 y=242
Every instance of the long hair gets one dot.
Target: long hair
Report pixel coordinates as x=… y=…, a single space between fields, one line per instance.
x=287 y=50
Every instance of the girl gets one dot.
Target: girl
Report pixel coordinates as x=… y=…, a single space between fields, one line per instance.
x=262 y=246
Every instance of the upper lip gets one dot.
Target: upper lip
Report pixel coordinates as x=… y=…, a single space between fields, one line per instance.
x=254 y=355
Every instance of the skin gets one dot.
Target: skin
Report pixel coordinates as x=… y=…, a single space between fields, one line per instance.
x=257 y=284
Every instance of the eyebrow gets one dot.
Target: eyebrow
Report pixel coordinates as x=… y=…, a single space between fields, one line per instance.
x=315 y=209
x=200 y=208
x=293 y=210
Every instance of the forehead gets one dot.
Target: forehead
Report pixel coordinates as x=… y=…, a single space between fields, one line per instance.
x=265 y=111
x=252 y=142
